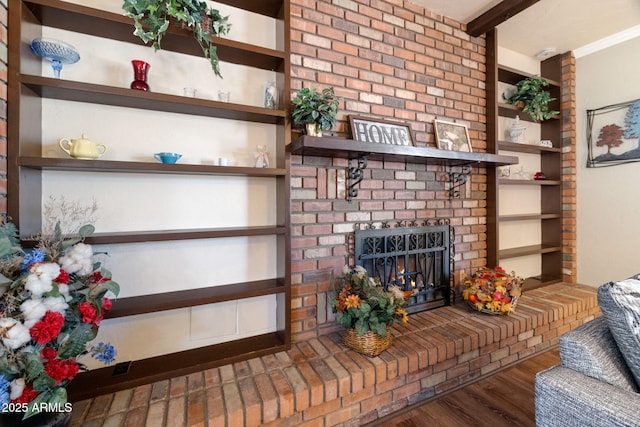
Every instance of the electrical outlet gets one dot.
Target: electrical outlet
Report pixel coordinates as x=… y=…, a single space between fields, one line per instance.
x=121 y=368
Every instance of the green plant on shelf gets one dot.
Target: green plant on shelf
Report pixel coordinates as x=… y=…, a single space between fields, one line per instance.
x=311 y=106
x=152 y=18
x=532 y=98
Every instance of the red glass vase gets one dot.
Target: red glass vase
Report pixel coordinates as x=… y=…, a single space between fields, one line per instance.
x=140 y=70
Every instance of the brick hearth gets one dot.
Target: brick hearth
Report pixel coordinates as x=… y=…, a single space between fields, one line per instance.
x=321 y=383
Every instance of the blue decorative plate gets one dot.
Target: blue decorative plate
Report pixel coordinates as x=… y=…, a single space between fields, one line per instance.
x=55 y=51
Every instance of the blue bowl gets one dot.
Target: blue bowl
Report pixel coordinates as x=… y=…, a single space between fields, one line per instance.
x=169 y=158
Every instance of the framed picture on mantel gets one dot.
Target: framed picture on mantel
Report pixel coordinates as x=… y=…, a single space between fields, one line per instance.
x=369 y=129
x=451 y=136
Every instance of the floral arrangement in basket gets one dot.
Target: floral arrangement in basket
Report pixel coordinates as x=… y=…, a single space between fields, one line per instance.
x=361 y=303
x=493 y=290
x=52 y=299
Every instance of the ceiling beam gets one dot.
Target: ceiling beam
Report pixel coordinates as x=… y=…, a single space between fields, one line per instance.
x=497 y=15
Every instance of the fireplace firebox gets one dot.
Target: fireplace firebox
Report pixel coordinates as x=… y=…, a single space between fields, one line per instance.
x=415 y=257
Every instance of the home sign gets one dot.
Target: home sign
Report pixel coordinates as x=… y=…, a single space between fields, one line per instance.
x=368 y=129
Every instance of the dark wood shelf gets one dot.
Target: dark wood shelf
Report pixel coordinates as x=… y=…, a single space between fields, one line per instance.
x=180 y=234
x=146 y=371
x=349 y=149
x=539 y=281
x=529 y=250
x=271 y=8
x=512 y=76
x=124 y=97
x=87 y=20
x=132 y=306
x=507 y=181
x=526 y=148
x=526 y=217
x=511 y=111
x=59 y=164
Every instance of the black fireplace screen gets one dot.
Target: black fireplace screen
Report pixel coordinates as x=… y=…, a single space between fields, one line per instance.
x=416 y=258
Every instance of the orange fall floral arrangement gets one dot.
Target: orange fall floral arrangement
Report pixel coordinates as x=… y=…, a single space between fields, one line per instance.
x=493 y=290
x=362 y=303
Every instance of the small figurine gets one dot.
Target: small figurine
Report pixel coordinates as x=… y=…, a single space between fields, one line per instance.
x=271 y=96
x=262 y=156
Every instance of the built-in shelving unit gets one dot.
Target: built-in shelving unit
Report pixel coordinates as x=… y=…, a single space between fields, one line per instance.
x=26 y=164
x=549 y=215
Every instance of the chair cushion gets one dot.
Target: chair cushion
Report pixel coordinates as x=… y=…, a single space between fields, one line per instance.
x=592 y=350
x=620 y=305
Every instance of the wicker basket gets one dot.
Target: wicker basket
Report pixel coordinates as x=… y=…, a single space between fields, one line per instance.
x=370 y=344
x=205 y=24
x=514 y=302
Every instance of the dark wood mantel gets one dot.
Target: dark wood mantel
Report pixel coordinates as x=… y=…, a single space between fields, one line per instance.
x=352 y=149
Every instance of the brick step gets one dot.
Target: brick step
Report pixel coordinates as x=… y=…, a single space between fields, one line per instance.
x=319 y=382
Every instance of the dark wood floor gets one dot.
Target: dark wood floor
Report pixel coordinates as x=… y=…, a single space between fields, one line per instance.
x=503 y=399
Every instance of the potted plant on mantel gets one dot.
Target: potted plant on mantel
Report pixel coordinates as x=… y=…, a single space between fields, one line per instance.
x=367 y=310
x=532 y=98
x=317 y=111
x=151 y=19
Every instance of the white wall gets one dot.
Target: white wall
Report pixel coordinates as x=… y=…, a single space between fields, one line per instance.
x=129 y=202
x=608 y=202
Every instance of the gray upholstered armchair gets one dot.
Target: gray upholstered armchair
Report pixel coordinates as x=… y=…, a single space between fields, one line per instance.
x=593 y=385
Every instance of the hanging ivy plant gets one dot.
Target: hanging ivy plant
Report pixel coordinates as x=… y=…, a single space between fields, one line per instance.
x=151 y=19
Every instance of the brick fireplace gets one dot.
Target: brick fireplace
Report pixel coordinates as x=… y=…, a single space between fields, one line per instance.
x=392 y=60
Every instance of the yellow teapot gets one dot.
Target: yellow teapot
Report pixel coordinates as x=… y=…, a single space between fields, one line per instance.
x=82 y=148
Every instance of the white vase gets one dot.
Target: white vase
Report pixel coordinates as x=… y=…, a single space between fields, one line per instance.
x=517 y=131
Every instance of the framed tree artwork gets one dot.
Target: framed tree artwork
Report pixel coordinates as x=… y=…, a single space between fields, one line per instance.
x=613 y=134
x=451 y=136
